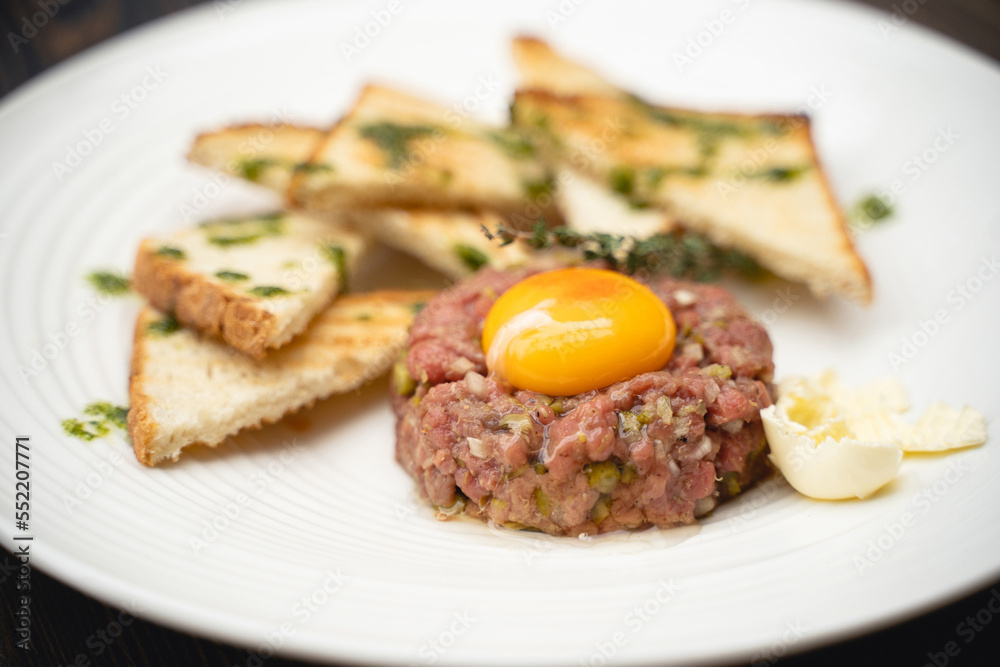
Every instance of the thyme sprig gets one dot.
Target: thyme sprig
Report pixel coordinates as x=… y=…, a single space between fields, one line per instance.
x=682 y=254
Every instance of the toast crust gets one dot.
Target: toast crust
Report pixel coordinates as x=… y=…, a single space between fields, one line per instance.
x=197 y=302
x=253 y=282
x=173 y=376
x=142 y=427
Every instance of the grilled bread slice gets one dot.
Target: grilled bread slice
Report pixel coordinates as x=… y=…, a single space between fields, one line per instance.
x=186 y=389
x=253 y=283
x=752 y=182
x=586 y=205
x=395 y=150
x=541 y=68
x=451 y=242
x=266 y=154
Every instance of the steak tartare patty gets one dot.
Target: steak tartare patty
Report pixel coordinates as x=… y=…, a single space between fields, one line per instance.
x=660 y=448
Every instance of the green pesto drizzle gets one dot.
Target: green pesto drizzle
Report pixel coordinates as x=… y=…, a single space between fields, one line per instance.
x=513 y=143
x=312 y=168
x=653 y=177
x=779 y=174
x=337 y=256
x=543 y=124
x=171 y=252
x=394 y=139
x=473 y=258
x=243 y=231
x=103 y=416
x=711 y=132
x=251 y=169
x=870 y=209
x=535 y=190
x=163 y=327
x=110 y=282
x=231 y=276
x=268 y=291
x=622 y=180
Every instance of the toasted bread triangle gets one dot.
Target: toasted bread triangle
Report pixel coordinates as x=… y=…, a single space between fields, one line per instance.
x=399 y=151
x=253 y=282
x=752 y=182
x=186 y=389
x=265 y=154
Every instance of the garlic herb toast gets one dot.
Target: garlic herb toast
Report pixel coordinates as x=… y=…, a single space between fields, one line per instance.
x=253 y=283
x=266 y=154
x=393 y=150
x=451 y=242
x=186 y=389
x=752 y=182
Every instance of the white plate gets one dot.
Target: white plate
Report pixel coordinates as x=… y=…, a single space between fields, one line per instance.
x=416 y=590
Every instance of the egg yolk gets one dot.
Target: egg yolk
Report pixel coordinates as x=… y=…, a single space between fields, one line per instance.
x=568 y=331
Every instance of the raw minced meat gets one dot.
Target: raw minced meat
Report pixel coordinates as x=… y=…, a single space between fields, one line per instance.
x=660 y=448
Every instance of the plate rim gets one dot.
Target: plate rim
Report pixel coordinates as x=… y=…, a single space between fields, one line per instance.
x=173 y=613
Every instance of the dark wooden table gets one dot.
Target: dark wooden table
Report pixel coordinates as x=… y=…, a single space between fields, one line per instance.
x=70 y=628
